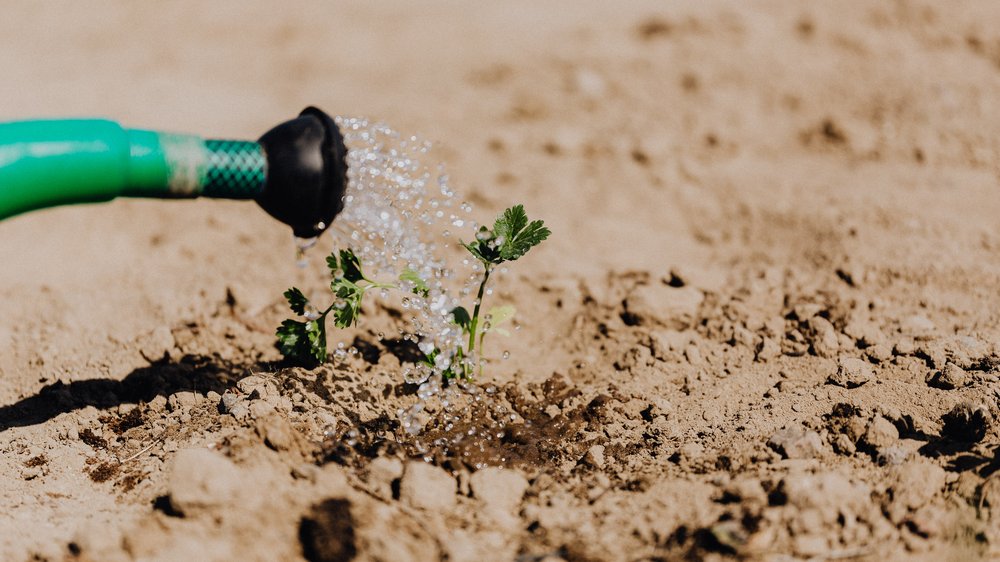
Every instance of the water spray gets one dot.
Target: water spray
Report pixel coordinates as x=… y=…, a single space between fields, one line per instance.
x=297 y=171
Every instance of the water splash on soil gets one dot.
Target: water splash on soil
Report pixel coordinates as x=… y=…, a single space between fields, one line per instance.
x=401 y=215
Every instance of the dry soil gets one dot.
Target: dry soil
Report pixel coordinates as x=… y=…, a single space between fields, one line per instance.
x=765 y=327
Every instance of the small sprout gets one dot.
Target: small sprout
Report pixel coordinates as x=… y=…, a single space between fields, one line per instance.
x=511 y=237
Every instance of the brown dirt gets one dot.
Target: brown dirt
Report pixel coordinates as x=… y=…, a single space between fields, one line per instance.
x=766 y=324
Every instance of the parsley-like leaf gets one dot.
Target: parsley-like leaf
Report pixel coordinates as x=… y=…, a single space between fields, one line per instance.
x=510 y=222
x=512 y=236
x=303 y=341
x=419 y=285
x=484 y=247
x=332 y=264
x=462 y=318
x=351 y=266
x=350 y=293
x=518 y=235
x=296 y=301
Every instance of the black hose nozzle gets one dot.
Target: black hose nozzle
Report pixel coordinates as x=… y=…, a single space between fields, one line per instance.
x=306 y=172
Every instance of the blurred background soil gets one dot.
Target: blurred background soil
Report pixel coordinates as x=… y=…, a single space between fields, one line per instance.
x=766 y=324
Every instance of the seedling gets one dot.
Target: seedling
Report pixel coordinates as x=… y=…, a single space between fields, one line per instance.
x=511 y=237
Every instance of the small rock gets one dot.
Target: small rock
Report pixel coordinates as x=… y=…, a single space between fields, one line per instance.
x=426 y=486
x=949 y=378
x=796 y=443
x=865 y=334
x=158 y=403
x=594 y=457
x=201 y=480
x=382 y=472
x=744 y=337
x=851 y=373
x=829 y=494
x=667 y=341
x=905 y=346
x=277 y=433
x=880 y=434
x=499 y=488
x=260 y=409
x=929 y=521
x=965 y=351
x=916 y=482
x=240 y=411
x=691 y=452
x=305 y=471
x=181 y=400
x=893 y=455
x=768 y=350
x=879 y=353
x=693 y=355
x=966 y=423
x=843 y=445
x=806 y=311
x=659 y=304
x=935 y=351
x=228 y=401
x=824 y=337
x=264 y=387
x=747 y=490
x=917 y=326
x=156 y=345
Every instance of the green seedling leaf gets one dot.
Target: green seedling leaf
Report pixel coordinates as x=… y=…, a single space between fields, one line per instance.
x=517 y=235
x=346 y=313
x=351 y=266
x=462 y=318
x=512 y=236
x=500 y=315
x=332 y=264
x=419 y=285
x=510 y=222
x=484 y=247
x=296 y=301
x=303 y=341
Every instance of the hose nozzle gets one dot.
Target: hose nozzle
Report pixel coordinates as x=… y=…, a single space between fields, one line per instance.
x=306 y=172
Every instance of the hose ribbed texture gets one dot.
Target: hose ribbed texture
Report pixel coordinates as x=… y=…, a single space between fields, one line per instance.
x=236 y=169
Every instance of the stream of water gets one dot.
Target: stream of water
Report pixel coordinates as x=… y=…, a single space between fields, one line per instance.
x=401 y=213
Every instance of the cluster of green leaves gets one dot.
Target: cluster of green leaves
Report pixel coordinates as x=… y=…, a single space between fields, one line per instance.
x=511 y=237
x=306 y=341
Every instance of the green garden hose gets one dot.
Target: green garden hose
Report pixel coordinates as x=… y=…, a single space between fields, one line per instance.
x=296 y=171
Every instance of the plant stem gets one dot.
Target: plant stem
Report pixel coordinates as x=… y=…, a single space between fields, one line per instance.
x=475 y=313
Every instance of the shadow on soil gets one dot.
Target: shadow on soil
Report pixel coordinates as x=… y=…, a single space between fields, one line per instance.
x=190 y=373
